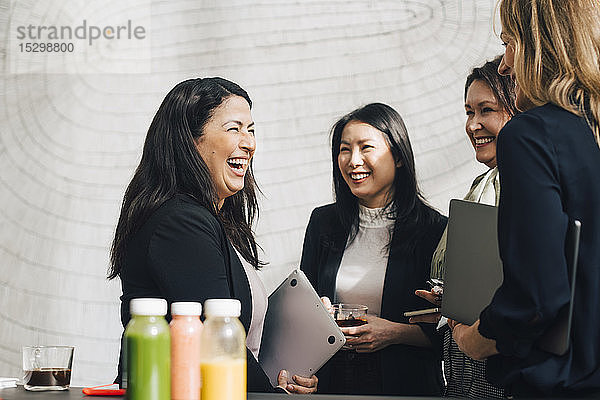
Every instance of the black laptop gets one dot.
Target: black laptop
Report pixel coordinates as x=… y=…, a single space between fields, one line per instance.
x=474 y=269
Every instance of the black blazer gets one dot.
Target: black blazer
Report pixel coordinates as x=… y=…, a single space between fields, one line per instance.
x=181 y=253
x=549 y=162
x=407 y=370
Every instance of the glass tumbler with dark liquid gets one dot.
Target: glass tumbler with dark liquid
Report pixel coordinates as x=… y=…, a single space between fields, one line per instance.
x=348 y=315
x=47 y=367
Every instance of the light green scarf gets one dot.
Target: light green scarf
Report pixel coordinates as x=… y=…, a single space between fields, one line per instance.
x=485 y=189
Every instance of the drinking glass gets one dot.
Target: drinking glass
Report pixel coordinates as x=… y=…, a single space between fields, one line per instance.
x=47 y=367
x=347 y=315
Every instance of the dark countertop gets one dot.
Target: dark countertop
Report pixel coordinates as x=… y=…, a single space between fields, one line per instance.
x=73 y=393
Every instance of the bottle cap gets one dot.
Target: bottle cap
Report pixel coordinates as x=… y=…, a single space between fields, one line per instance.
x=148 y=306
x=186 y=308
x=222 y=308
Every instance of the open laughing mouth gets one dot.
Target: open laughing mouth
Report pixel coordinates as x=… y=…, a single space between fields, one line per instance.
x=483 y=141
x=359 y=177
x=238 y=165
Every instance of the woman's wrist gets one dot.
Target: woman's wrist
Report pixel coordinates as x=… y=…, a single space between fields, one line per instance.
x=410 y=334
x=399 y=333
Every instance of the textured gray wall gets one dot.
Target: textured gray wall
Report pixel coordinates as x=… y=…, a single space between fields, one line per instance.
x=69 y=142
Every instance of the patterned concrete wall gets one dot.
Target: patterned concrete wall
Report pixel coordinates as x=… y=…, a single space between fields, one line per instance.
x=69 y=142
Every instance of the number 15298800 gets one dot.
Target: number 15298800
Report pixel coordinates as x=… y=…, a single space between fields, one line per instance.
x=46 y=47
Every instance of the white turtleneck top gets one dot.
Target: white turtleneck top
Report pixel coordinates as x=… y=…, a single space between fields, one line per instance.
x=364 y=263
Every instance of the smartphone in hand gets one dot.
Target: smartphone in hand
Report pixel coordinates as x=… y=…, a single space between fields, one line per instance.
x=422 y=312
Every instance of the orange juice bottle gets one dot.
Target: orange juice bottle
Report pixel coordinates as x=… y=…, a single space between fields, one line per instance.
x=186 y=329
x=223 y=351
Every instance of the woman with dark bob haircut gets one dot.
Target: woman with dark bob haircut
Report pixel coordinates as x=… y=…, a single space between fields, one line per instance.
x=185 y=229
x=373 y=246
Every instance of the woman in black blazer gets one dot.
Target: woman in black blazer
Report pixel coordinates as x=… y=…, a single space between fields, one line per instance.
x=374 y=245
x=185 y=230
x=548 y=158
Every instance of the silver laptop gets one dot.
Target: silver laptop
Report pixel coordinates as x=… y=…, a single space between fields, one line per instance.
x=474 y=269
x=299 y=335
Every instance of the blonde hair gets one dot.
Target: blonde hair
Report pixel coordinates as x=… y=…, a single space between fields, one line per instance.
x=557 y=53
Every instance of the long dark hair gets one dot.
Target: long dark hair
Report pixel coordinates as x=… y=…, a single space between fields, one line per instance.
x=171 y=164
x=502 y=86
x=406 y=203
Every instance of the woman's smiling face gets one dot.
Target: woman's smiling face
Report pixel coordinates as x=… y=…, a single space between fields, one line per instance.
x=367 y=164
x=227 y=145
x=485 y=118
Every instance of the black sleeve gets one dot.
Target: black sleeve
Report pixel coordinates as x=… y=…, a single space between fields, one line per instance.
x=531 y=235
x=309 y=261
x=257 y=380
x=186 y=259
x=431 y=240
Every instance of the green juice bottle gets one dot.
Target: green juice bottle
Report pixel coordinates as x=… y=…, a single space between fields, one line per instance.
x=148 y=351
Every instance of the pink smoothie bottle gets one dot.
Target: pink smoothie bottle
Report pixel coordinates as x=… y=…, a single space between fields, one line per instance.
x=186 y=329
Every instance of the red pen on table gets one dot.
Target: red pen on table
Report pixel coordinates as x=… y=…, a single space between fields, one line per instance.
x=102 y=391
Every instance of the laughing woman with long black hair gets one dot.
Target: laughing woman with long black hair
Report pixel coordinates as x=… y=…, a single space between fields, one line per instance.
x=185 y=230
